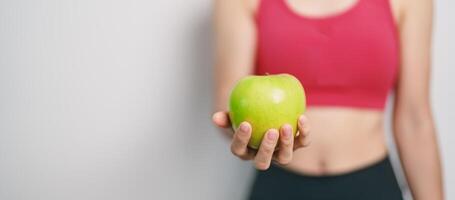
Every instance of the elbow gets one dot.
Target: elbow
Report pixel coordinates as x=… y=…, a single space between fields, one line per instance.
x=413 y=124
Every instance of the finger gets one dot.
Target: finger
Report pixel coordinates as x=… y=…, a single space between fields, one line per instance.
x=221 y=119
x=265 y=152
x=239 y=145
x=286 y=143
x=302 y=141
x=303 y=138
x=304 y=125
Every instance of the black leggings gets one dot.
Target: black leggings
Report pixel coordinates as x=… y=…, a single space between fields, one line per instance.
x=375 y=182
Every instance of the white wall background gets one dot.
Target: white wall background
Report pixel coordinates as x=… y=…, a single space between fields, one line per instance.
x=111 y=100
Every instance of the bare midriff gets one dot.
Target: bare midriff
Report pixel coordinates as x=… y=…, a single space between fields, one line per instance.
x=342 y=140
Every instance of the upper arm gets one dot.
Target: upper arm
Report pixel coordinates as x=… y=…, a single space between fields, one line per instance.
x=235 y=41
x=412 y=101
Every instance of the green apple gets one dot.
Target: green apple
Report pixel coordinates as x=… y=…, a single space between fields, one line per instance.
x=266 y=102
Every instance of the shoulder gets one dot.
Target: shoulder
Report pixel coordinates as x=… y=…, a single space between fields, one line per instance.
x=249 y=6
x=403 y=9
x=253 y=5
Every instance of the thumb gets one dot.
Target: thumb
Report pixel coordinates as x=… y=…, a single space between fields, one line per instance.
x=221 y=119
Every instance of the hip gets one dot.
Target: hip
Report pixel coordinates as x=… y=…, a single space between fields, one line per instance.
x=376 y=181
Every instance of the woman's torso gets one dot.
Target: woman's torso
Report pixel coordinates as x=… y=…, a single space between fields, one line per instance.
x=346 y=103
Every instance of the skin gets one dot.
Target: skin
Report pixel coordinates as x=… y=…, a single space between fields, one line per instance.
x=342 y=138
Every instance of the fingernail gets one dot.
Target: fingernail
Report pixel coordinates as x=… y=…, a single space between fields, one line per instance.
x=215 y=116
x=244 y=127
x=272 y=135
x=287 y=131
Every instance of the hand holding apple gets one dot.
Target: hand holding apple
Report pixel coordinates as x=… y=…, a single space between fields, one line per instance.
x=266 y=152
x=266 y=102
x=264 y=111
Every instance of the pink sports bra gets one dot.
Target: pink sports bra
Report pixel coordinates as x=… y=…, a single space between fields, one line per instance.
x=349 y=59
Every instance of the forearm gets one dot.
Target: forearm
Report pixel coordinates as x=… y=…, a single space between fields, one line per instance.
x=418 y=149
